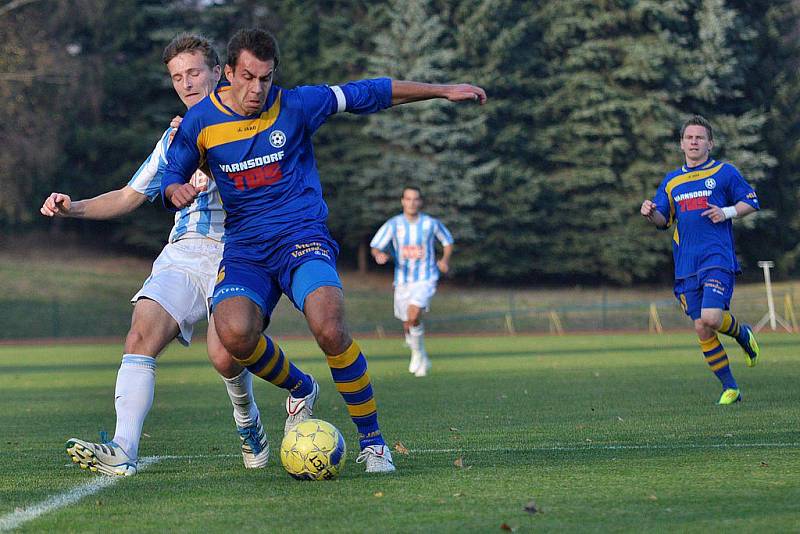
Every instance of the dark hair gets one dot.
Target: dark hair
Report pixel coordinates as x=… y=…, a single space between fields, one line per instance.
x=411 y=188
x=698 y=120
x=190 y=42
x=260 y=43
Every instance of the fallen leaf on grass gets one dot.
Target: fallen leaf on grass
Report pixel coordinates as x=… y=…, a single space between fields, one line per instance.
x=454 y=429
x=459 y=462
x=652 y=497
x=531 y=508
x=506 y=526
x=728 y=435
x=378 y=494
x=620 y=419
x=764 y=464
x=459 y=494
x=400 y=448
x=145 y=434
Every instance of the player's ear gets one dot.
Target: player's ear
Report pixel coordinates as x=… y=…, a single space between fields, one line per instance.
x=228 y=73
x=217 y=71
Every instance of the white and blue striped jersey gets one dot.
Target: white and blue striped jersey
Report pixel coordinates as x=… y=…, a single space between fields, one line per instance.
x=202 y=218
x=412 y=247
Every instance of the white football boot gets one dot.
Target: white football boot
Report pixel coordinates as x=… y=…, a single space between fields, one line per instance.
x=255 y=445
x=416 y=360
x=298 y=410
x=378 y=459
x=424 y=366
x=106 y=458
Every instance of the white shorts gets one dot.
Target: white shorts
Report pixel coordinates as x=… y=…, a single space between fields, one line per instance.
x=182 y=282
x=418 y=294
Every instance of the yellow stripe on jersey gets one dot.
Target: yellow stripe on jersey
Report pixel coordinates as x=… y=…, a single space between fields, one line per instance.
x=685 y=178
x=675 y=236
x=228 y=132
x=217 y=103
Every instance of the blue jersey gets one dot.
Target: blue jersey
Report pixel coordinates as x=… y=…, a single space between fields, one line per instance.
x=412 y=246
x=264 y=164
x=698 y=243
x=202 y=218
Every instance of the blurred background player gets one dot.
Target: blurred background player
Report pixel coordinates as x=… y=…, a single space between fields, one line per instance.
x=256 y=140
x=175 y=296
x=409 y=239
x=701 y=198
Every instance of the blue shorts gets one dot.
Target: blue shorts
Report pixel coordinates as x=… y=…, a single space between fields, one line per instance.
x=294 y=266
x=712 y=288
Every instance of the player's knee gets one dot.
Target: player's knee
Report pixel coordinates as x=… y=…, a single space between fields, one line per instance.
x=135 y=341
x=237 y=337
x=332 y=338
x=709 y=322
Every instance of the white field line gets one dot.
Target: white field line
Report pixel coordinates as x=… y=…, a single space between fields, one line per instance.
x=16 y=519
x=590 y=447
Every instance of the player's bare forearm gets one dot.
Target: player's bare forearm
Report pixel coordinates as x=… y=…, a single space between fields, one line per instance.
x=447 y=252
x=743 y=209
x=108 y=205
x=404 y=92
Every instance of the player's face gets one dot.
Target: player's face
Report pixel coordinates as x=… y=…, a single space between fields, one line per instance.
x=411 y=202
x=251 y=81
x=695 y=144
x=191 y=77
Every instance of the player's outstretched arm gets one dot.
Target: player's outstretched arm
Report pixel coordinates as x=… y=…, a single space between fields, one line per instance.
x=404 y=92
x=106 y=206
x=649 y=212
x=380 y=256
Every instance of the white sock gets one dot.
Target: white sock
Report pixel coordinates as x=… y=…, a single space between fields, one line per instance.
x=240 y=391
x=416 y=336
x=133 y=397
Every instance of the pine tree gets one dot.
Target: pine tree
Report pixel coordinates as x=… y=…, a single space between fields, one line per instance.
x=430 y=144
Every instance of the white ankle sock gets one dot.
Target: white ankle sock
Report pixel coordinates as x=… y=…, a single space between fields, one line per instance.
x=133 y=397
x=416 y=336
x=240 y=391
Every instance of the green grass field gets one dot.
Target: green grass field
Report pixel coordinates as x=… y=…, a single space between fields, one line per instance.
x=603 y=433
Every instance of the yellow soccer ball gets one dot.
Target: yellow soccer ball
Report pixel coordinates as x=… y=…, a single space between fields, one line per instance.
x=313 y=450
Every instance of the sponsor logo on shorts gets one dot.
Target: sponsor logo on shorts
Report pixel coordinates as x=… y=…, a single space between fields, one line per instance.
x=316 y=248
x=715 y=286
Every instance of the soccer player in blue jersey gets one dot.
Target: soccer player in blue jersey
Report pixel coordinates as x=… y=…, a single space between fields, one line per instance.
x=176 y=294
x=255 y=138
x=409 y=239
x=701 y=199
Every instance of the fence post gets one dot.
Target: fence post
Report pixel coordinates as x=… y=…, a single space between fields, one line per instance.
x=55 y=318
x=654 y=323
x=555 y=324
x=788 y=311
x=510 y=325
x=381 y=333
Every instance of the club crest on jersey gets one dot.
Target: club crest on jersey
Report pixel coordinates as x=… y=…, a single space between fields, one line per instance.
x=277 y=138
x=711 y=183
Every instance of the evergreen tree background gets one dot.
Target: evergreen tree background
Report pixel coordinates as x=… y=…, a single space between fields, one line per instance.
x=543 y=184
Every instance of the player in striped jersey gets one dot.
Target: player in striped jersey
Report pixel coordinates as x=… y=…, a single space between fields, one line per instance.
x=700 y=199
x=175 y=296
x=409 y=238
x=256 y=139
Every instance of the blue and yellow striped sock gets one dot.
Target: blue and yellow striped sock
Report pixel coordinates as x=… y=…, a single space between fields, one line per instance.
x=717 y=360
x=732 y=327
x=349 y=371
x=269 y=363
